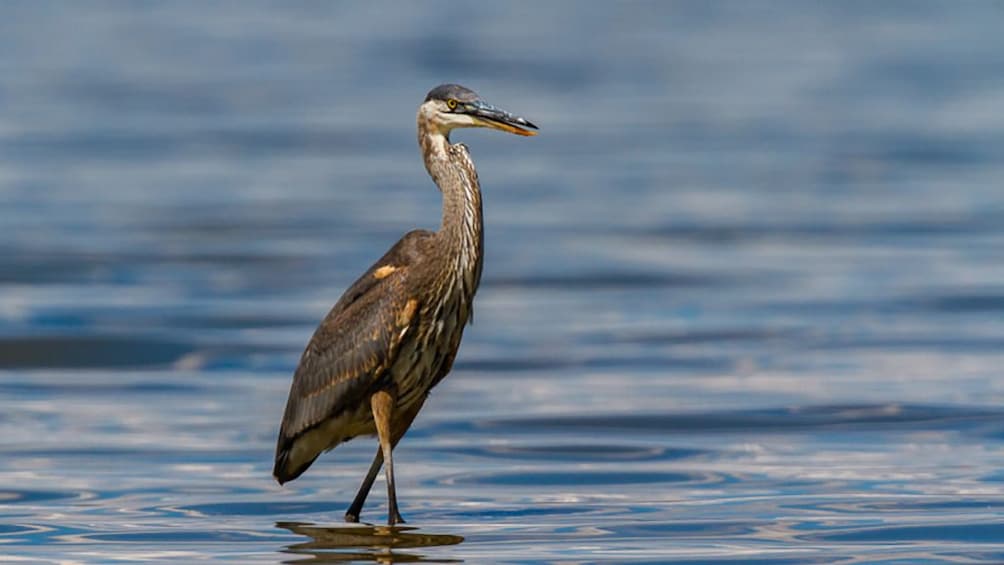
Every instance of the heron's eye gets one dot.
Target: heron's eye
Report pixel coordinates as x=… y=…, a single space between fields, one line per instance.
x=452 y=104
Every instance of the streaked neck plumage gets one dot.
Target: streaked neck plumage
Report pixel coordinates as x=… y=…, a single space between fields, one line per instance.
x=452 y=170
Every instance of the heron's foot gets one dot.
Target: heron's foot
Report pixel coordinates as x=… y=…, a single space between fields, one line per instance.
x=395 y=519
x=351 y=517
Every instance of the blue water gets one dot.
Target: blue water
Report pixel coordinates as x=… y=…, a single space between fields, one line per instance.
x=743 y=299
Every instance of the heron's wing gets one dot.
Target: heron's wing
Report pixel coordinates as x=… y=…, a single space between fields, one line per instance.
x=350 y=351
x=404 y=253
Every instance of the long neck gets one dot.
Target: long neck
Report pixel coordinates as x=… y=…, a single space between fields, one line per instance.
x=452 y=170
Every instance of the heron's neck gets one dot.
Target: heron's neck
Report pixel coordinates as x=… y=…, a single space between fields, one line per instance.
x=453 y=172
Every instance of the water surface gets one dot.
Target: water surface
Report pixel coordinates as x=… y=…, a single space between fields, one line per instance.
x=743 y=299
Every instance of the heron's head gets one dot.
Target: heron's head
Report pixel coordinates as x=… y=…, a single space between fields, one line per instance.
x=451 y=106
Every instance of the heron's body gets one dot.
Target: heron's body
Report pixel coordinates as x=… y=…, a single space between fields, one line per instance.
x=394 y=333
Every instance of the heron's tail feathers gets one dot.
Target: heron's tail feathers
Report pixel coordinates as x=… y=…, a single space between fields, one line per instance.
x=291 y=460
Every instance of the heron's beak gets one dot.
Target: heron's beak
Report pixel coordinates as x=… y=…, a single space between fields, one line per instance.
x=489 y=116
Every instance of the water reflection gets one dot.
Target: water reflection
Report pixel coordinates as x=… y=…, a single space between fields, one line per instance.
x=380 y=544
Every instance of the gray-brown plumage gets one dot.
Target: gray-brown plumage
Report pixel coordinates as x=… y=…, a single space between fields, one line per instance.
x=394 y=334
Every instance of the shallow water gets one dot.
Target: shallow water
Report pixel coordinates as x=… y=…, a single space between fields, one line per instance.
x=743 y=298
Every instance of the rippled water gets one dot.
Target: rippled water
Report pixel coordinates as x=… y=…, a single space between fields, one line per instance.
x=743 y=298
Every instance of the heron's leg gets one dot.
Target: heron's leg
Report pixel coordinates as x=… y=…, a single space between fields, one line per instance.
x=354 y=511
x=382 y=403
x=352 y=514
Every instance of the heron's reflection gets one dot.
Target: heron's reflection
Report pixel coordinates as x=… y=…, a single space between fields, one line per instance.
x=341 y=544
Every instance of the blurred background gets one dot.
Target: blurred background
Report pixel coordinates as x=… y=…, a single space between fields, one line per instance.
x=743 y=296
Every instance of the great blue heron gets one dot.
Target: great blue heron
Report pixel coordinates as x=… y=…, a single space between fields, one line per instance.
x=394 y=333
